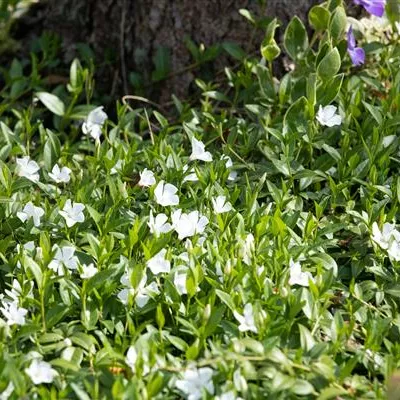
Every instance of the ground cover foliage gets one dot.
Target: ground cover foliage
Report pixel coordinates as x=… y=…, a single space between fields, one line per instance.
x=246 y=249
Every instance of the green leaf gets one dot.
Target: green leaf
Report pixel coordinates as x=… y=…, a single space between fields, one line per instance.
x=5 y=176
x=51 y=151
x=270 y=31
x=332 y=152
x=162 y=63
x=398 y=189
x=295 y=117
x=326 y=261
x=31 y=265
x=234 y=50
x=80 y=393
x=328 y=91
x=102 y=277
x=333 y=4
x=246 y=14
x=338 y=23
x=56 y=314
x=155 y=385
x=393 y=11
x=83 y=340
x=329 y=65
x=214 y=94
x=52 y=102
x=226 y=298
x=50 y=338
x=179 y=343
x=295 y=39
x=193 y=351
x=270 y=51
x=302 y=388
x=319 y=18
x=65 y=365
x=312 y=91
x=74 y=74
x=94 y=214
x=160 y=319
x=374 y=111
x=214 y=320
x=332 y=393
x=306 y=339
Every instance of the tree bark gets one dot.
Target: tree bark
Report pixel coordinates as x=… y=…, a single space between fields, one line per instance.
x=125 y=34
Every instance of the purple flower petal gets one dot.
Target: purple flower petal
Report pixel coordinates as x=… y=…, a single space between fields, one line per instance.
x=357 y=54
x=351 y=41
x=374 y=7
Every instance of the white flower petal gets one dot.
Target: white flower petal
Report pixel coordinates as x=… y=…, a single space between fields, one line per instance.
x=327 y=116
x=159 y=264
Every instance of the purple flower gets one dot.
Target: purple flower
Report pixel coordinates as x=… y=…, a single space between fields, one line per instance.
x=357 y=54
x=374 y=7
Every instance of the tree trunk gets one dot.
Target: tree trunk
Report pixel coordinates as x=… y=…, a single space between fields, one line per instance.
x=125 y=34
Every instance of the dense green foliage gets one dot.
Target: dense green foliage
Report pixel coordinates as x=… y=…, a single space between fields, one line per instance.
x=288 y=235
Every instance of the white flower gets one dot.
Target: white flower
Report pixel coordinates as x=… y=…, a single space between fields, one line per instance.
x=190 y=176
x=88 y=271
x=131 y=357
x=60 y=175
x=247 y=320
x=125 y=278
x=159 y=263
x=180 y=282
x=117 y=167
x=195 y=382
x=231 y=395
x=297 y=277
x=198 y=151
x=239 y=381
x=388 y=140
x=394 y=250
x=147 y=178
x=40 y=372
x=187 y=225
x=327 y=116
x=166 y=194
x=72 y=212
x=15 y=291
x=123 y=295
x=7 y=392
x=64 y=257
x=229 y=164
x=31 y=211
x=159 y=224
x=384 y=237
x=28 y=168
x=67 y=353
x=232 y=175
x=143 y=292
x=221 y=205
x=14 y=315
x=388 y=239
x=94 y=122
x=247 y=249
x=29 y=246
